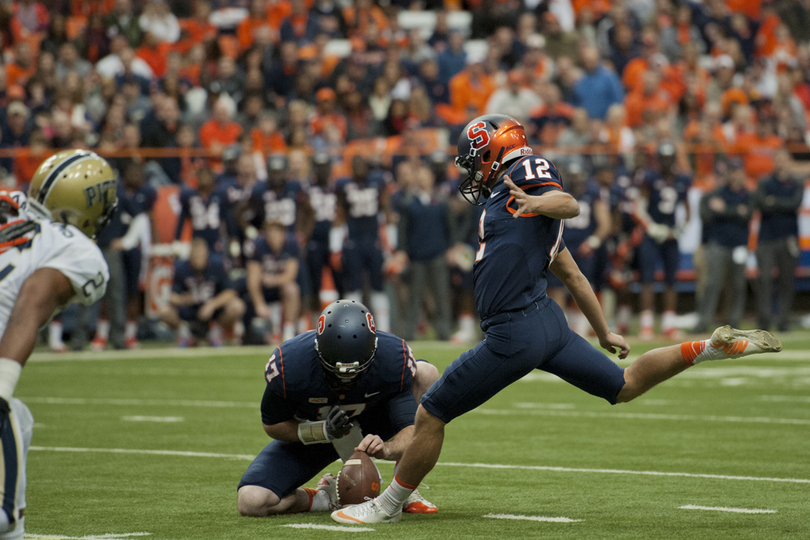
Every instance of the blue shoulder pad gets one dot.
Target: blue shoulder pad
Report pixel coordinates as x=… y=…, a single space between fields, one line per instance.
x=532 y=172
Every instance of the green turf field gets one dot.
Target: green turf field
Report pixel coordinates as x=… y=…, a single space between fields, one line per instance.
x=156 y=441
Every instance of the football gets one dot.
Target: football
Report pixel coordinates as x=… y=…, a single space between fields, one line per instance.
x=358 y=479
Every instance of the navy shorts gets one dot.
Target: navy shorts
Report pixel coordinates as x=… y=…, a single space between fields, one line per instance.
x=189 y=313
x=651 y=252
x=284 y=466
x=359 y=258
x=131 y=260
x=515 y=344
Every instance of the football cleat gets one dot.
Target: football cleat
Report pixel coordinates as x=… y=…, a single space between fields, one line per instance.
x=737 y=343
x=370 y=511
x=98 y=343
x=416 y=504
x=132 y=343
x=328 y=484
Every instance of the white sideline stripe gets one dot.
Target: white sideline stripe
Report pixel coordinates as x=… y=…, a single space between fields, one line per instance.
x=149 y=452
x=160 y=402
x=444 y=463
x=649 y=416
x=532 y=518
x=327 y=527
x=111 y=536
x=149 y=354
x=166 y=419
x=726 y=509
x=786 y=399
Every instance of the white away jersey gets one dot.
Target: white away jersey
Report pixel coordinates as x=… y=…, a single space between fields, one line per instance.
x=61 y=247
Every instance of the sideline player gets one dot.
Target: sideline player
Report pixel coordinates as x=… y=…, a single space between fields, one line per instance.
x=526 y=330
x=47 y=260
x=329 y=391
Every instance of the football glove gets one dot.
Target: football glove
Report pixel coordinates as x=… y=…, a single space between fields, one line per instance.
x=658 y=232
x=337 y=423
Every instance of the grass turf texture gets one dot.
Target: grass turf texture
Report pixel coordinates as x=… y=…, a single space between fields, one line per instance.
x=716 y=418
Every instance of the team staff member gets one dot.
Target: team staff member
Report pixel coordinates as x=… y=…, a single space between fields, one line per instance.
x=520 y=240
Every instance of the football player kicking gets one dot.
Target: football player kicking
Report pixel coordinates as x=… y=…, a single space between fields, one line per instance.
x=47 y=260
x=341 y=387
x=520 y=240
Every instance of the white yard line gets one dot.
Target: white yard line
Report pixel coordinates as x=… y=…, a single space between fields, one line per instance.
x=726 y=509
x=647 y=416
x=441 y=463
x=158 y=419
x=111 y=536
x=149 y=402
x=532 y=518
x=786 y=399
x=327 y=527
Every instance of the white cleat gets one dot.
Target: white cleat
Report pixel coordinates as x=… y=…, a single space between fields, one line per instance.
x=738 y=343
x=369 y=512
x=328 y=484
x=416 y=504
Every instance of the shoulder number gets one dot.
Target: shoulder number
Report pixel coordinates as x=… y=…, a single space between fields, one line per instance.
x=540 y=166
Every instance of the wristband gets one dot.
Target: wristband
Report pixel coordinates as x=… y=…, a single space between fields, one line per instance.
x=9 y=375
x=313 y=432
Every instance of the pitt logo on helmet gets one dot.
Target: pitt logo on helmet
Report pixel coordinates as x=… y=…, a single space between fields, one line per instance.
x=78 y=188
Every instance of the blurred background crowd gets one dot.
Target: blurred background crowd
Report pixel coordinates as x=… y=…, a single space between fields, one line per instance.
x=275 y=154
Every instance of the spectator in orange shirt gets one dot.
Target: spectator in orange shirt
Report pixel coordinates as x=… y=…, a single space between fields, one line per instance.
x=471 y=88
x=758 y=148
x=199 y=29
x=267 y=139
x=549 y=120
x=632 y=77
x=328 y=123
x=256 y=23
x=154 y=53
x=22 y=68
x=647 y=103
x=220 y=131
x=361 y=14
x=28 y=159
x=29 y=17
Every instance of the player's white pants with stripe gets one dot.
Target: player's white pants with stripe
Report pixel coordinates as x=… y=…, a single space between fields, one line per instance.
x=15 y=444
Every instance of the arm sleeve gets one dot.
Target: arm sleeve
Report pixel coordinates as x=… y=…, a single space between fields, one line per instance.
x=789 y=204
x=402 y=409
x=81 y=261
x=275 y=409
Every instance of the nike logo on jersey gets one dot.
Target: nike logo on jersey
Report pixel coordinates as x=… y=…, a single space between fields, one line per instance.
x=371 y=394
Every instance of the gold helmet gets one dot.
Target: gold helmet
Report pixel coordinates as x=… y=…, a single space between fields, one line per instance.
x=78 y=187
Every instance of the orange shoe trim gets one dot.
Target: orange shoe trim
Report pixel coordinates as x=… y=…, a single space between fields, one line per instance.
x=311 y=492
x=420 y=508
x=341 y=515
x=691 y=349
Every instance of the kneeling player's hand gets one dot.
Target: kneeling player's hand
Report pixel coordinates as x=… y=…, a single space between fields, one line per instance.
x=612 y=341
x=337 y=423
x=372 y=445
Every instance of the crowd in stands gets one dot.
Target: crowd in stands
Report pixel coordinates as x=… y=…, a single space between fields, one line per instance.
x=311 y=143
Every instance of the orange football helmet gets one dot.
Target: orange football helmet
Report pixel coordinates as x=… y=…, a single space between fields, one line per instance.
x=484 y=146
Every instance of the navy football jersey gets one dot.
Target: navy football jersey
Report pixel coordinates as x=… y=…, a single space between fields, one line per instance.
x=202 y=286
x=664 y=196
x=272 y=262
x=274 y=206
x=624 y=196
x=362 y=205
x=323 y=201
x=231 y=193
x=135 y=202
x=297 y=386
x=206 y=214
x=514 y=254
x=578 y=229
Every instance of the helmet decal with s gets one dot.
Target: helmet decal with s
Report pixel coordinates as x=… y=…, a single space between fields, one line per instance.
x=484 y=146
